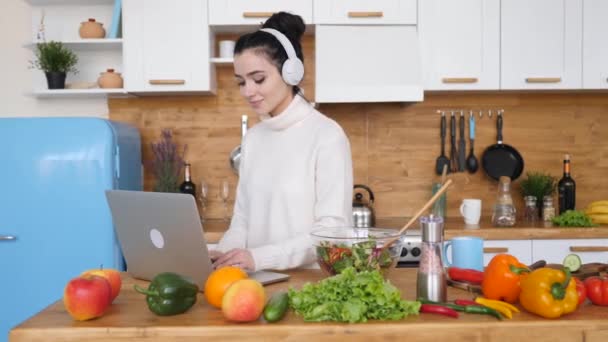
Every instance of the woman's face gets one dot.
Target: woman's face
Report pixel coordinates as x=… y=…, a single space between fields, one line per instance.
x=261 y=83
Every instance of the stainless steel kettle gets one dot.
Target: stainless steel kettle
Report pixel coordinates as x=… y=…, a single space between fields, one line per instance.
x=363 y=212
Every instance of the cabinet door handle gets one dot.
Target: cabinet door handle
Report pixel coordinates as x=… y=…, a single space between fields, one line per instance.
x=365 y=14
x=459 y=80
x=8 y=238
x=543 y=79
x=167 y=82
x=495 y=250
x=257 y=14
x=588 y=249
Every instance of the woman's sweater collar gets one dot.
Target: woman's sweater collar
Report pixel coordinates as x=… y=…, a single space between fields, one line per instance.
x=297 y=111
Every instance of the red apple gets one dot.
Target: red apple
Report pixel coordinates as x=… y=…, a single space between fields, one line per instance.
x=244 y=301
x=87 y=297
x=113 y=277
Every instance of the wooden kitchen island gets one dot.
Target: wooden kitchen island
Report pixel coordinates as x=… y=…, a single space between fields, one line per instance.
x=129 y=319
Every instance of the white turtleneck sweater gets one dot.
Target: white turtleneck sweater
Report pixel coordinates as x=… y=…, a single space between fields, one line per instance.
x=295 y=176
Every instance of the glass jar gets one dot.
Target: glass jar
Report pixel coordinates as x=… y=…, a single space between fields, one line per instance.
x=548 y=209
x=531 y=210
x=504 y=210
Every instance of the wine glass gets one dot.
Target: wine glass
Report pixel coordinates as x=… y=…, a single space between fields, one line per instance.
x=224 y=194
x=203 y=193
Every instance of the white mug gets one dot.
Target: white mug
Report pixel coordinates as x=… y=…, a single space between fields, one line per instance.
x=470 y=209
x=226 y=48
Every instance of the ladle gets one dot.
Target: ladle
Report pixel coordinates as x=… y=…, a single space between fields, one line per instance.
x=472 y=163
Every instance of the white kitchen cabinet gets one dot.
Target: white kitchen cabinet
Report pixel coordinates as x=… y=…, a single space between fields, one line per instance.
x=554 y=251
x=460 y=43
x=541 y=44
x=595 y=45
x=367 y=51
x=521 y=249
x=367 y=63
x=55 y=20
x=366 y=12
x=167 y=46
x=247 y=12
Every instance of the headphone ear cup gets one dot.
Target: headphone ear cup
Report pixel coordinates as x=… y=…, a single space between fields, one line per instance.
x=292 y=71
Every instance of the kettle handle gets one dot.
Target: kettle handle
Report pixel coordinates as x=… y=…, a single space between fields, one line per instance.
x=369 y=191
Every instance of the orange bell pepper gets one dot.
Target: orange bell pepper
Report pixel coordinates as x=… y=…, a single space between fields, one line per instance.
x=548 y=292
x=501 y=278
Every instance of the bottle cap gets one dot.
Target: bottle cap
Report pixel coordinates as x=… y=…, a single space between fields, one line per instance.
x=432 y=228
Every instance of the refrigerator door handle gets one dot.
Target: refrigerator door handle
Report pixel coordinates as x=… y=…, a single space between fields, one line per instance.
x=7 y=238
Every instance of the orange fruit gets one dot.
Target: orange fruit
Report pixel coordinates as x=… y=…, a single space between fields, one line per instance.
x=219 y=281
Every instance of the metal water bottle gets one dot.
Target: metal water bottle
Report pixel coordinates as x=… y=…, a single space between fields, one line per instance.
x=432 y=280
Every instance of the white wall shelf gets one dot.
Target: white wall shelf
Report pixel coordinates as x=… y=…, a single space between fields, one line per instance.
x=62 y=20
x=68 y=2
x=95 y=92
x=222 y=60
x=88 y=44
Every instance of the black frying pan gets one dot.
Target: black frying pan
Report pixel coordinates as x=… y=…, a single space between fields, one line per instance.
x=502 y=159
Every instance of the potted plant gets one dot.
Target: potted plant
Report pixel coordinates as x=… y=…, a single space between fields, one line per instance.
x=167 y=163
x=538 y=184
x=56 y=61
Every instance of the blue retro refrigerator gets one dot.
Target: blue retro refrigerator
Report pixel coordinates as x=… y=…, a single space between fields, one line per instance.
x=54 y=219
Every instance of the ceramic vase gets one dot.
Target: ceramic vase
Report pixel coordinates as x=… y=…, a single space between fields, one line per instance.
x=91 y=29
x=110 y=79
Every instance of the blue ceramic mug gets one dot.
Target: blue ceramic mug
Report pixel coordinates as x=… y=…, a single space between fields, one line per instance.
x=466 y=252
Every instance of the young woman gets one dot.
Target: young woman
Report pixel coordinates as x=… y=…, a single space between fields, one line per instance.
x=296 y=169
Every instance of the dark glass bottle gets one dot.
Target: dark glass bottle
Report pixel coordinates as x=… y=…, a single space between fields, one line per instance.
x=566 y=188
x=187 y=187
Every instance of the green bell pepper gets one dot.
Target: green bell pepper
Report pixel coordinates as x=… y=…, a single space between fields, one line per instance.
x=169 y=294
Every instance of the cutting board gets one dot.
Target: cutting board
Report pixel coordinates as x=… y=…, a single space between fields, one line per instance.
x=586 y=270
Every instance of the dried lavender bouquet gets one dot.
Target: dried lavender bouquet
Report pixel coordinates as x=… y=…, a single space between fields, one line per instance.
x=167 y=163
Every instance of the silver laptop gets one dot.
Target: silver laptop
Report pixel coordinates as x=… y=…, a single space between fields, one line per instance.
x=162 y=232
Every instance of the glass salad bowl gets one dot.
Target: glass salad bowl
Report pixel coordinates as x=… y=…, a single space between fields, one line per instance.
x=341 y=247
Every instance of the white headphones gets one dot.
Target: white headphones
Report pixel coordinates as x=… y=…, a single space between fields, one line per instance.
x=293 y=69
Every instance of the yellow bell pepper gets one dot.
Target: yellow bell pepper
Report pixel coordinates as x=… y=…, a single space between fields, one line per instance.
x=548 y=292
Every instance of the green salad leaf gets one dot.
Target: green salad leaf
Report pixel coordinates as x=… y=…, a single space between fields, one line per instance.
x=573 y=218
x=351 y=297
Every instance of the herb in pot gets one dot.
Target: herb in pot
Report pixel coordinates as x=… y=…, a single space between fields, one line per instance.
x=539 y=185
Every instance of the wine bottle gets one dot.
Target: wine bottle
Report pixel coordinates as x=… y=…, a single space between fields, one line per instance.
x=566 y=188
x=187 y=186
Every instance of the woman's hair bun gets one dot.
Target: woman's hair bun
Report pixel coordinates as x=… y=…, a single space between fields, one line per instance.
x=289 y=24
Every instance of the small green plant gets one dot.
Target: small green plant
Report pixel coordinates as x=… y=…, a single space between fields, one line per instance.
x=54 y=57
x=538 y=184
x=167 y=163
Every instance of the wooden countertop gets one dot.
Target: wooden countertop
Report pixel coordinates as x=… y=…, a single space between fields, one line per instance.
x=128 y=319
x=214 y=229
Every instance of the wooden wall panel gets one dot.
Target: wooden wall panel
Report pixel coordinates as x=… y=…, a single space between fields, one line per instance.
x=394 y=145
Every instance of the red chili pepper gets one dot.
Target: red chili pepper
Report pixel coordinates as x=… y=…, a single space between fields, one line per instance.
x=438 y=309
x=465 y=302
x=465 y=274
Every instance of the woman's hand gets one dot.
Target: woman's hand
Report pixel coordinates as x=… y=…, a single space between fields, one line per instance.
x=214 y=255
x=238 y=257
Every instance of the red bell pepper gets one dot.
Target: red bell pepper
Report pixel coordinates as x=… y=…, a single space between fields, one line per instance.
x=597 y=290
x=581 y=291
x=465 y=274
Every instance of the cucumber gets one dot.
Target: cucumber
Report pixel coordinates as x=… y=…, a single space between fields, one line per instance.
x=573 y=262
x=276 y=307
